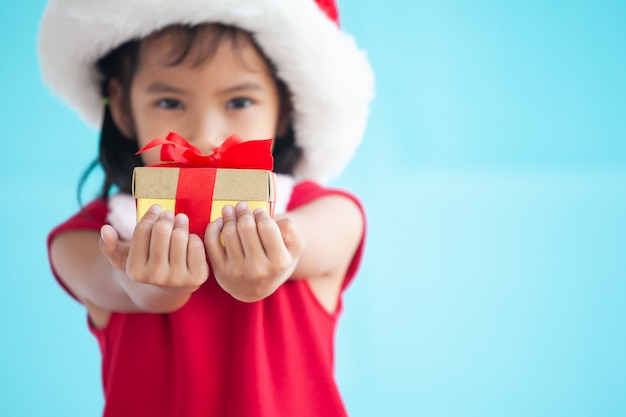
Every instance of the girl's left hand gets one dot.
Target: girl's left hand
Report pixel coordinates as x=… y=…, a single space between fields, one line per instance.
x=258 y=254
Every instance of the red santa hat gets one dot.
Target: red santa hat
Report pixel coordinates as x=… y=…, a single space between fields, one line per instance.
x=329 y=77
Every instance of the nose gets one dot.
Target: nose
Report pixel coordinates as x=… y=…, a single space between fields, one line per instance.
x=208 y=133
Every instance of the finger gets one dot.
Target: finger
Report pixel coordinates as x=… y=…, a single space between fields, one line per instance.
x=109 y=240
x=187 y=253
x=197 y=259
x=111 y=246
x=248 y=233
x=232 y=242
x=140 y=242
x=213 y=245
x=269 y=234
x=179 y=242
x=291 y=235
x=161 y=238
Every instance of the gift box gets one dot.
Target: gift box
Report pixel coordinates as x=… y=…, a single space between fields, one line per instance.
x=202 y=185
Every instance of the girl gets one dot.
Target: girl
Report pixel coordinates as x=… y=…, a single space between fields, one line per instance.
x=188 y=326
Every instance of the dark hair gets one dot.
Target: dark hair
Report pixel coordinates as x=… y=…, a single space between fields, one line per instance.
x=117 y=152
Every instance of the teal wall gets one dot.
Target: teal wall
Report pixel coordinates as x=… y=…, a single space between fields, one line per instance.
x=494 y=175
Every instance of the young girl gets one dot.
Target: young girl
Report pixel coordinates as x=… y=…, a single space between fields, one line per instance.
x=188 y=326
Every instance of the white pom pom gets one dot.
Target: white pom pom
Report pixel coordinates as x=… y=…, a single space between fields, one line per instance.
x=122 y=215
x=284 y=187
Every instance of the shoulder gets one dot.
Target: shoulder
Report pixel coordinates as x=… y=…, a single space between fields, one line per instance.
x=90 y=217
x=330 y=263
x=307 y=191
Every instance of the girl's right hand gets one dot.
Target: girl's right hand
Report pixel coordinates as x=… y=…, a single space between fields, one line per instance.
x=162 y=254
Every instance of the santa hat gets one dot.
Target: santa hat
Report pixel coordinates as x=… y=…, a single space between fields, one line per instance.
x=329 y=77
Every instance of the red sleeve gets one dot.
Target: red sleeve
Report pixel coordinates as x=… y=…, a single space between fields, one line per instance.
x=91 y=217
x=308 y=191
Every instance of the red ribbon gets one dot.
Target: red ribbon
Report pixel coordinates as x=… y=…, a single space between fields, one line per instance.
x=194 y=194
x=233 y=153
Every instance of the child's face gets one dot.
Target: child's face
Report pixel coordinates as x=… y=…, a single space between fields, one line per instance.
x=232 y=92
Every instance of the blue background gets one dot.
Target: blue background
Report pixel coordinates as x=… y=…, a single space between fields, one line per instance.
x=493 y=171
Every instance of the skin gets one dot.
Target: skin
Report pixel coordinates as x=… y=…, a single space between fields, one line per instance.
x=163 y=264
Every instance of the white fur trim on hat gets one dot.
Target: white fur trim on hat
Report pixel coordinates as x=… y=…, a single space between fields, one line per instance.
x=330 y=78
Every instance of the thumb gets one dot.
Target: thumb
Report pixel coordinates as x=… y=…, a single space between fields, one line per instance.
x=292 y=236
x=113 y=248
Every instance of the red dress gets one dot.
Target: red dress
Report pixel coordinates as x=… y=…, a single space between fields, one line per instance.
x=217 y=356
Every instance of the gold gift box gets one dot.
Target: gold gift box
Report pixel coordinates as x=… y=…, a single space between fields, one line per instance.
x=159 y=185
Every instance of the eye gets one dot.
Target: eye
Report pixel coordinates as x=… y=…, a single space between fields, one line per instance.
x=169 y=104
x=238 y=103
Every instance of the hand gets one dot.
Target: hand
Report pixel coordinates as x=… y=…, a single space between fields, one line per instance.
x=161 y=253
x=258 y=253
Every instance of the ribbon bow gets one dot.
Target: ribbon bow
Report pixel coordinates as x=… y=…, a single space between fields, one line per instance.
x=233 y=153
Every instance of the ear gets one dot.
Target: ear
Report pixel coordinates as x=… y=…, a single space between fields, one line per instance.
x=119 y=112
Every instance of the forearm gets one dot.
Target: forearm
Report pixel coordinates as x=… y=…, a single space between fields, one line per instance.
x=93 y=280
x=150 y=298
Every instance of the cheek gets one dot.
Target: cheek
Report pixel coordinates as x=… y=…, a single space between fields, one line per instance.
x=146 y=132
x=265 y=126
x=151 y=157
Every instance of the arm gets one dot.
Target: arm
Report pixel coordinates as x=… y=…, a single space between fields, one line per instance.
x=333 y=227
x=316 y=241
x=155 y=272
